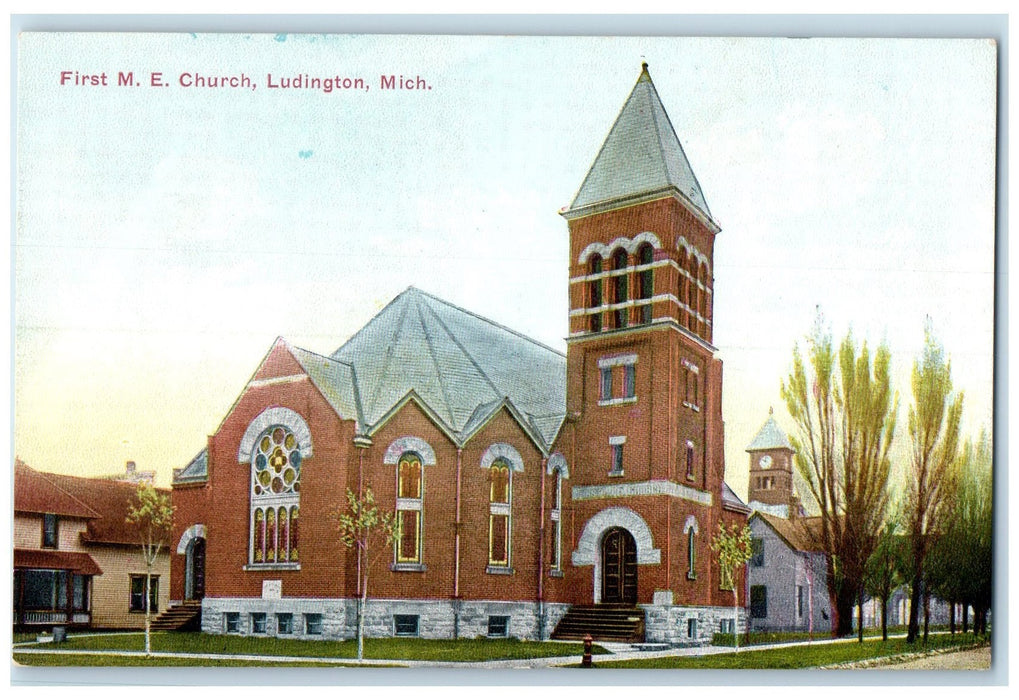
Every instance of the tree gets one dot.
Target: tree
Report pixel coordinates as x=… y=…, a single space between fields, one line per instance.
x=844 y=410
x=734 y=547
x=934 y=419
x=367 y=529
x=884 y=568
x=151 y=513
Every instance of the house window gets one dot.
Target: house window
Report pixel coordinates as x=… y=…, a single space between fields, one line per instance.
x=405 y=625
x=557 y=523
x=410 y=489
x=498 y=625
x=258 y=623
x=275 y=497
x=629 y=381
x=50 y=531
x=595 y=300
x=313 y=623
x=233 y=622
x=726 y=625
x=43 y=589
x=499 y=514
x=605 y=392
x=758 y=601
x=138 y=593
x=619 y=262
x=757 y=552
x=689 y=460
x=79 y=592
x=284 y=623
x=691 y=554
x=616 y=446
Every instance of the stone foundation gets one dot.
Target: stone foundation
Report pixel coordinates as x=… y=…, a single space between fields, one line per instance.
x=681 y=625
x=436 y=619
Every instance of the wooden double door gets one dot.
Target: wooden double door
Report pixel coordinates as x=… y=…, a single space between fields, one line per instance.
x=619 y=567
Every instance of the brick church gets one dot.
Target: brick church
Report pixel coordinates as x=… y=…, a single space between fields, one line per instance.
x=536 y=495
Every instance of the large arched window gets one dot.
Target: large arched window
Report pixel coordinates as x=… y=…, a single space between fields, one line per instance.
x=275 y=497
x=620 y=262
x=409 y=497
x=500 y=513
x=595 y=292
x=645 y=256
x=557 y=522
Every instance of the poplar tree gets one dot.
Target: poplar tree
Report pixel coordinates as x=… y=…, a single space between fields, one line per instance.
x=364 y=527
x=934 y=418
x=844 y=410
x=734 y=547
x=151 y=513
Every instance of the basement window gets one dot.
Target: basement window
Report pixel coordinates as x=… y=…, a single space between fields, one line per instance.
x=498 y=625
x=258 y=623
x=405 y=625
x=313 y=623
x=284 y=623
x=233 y=623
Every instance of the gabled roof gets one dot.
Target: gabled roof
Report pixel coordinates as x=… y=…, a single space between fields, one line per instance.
x=463 y=367
x=640 y=155
x=731 y=501
x=35 y=492
x=770 y=437
x=196 y=470
x=801 y=534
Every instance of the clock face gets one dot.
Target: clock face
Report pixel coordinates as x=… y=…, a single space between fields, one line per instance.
x=766 y=462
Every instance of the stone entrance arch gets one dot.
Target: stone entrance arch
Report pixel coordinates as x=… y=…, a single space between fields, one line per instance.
x=589 y=546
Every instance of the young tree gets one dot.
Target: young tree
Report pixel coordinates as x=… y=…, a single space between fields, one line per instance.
x=934 y=420
x=844 y=410
x=884 y=569
x=368 y=530
x=151 y=513
x=734 y=547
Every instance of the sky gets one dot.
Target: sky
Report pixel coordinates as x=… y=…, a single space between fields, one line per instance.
x=165 y=236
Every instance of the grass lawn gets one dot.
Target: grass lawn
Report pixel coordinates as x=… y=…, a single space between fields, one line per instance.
x=399 y=649
x=110 y=660
x=801 y=656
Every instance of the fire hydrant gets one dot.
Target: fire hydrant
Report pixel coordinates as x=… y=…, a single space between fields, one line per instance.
x=586 y=661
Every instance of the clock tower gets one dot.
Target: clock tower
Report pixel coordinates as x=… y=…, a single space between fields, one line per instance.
x=771 y=472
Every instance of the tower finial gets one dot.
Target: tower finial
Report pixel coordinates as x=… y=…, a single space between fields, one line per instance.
x=643 y=66
x=771 y=410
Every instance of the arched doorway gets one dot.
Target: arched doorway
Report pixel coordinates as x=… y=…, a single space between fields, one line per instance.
x=619 y=567
x=194 y=575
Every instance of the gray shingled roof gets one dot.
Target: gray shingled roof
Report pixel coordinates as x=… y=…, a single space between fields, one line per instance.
x=196 y=470
x=769 y=437
x=462 y=367
x=641 y=154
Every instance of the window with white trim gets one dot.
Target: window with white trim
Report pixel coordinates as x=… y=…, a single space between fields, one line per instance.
x=691 y=385
x=557 y=523
x=500 y=513
x=275 y=497
x=627 y=365
x=691 y=554
x=605 y=386
x=409 y=499
x=689 y=459
x=616 y=446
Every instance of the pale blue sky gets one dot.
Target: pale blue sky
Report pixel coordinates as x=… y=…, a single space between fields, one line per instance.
x=166 y=236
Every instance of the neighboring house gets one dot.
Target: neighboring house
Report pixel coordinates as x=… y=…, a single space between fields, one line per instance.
x=76 y=560
x=524 y=482
x=133 y=475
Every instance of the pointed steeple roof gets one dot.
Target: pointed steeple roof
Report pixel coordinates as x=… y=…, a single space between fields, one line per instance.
x=770 y=436
x=641 y=156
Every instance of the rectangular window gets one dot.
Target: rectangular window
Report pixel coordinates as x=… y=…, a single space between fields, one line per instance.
x=499 y=540
x=258 y=623
x=79 y=592
x=284 y=623
x=138 y=593
x=50 y=531
x=726 y=625
x=757 y=552
x=233 y=623
x=498 y=625
x=405 y=625
x=691 y=628
x=799 y=601
x=606 y=384
x=500 y=510
x=689 y=460
x=617 y=460
x=408 y=522
x=758 y=601
x=629 y=381
x=313 y=623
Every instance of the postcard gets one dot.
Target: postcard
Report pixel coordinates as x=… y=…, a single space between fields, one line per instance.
x=480 y=352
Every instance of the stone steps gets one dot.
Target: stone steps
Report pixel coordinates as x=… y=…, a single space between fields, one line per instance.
x=609 y=623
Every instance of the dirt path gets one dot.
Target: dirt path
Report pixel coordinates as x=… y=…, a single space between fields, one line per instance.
x=971 y=659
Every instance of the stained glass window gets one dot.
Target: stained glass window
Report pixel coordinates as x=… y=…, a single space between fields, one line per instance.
x=499 y=518
x=409 y=491
x=275 y=493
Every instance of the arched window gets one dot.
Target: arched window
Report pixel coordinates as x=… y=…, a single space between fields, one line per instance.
x=684 y=290
x=557 y=522
x=645 y=257
x=691 y=553
x=275 y=497
x=692 y=291
x=702 y=298
x=595 y=291
x=409 y=498
x=689 y=460
x=620 y=261
x=499 y=513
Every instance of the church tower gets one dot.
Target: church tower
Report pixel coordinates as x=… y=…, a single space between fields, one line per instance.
x=644 y=414
x=771 y=487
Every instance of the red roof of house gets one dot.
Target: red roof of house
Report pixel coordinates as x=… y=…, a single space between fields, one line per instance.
x=106 y=502
x=35 y=493
x=802 y=534
x=78 y=562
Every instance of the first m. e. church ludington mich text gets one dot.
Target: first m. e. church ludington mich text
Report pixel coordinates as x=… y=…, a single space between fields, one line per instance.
x=242 y=81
